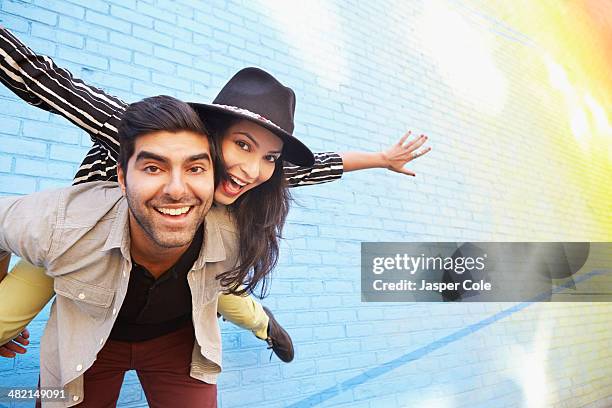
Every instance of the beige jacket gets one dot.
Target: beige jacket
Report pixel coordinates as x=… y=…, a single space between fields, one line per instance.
x=80 y=235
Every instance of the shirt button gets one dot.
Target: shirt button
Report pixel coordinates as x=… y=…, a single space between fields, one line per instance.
x=75 y=398
x=124 y=274
x=101 y=341
x=79 y=367
x=114 y=311
x=81 y=296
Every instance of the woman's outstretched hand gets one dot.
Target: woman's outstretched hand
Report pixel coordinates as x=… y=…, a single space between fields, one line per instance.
x=403 y=152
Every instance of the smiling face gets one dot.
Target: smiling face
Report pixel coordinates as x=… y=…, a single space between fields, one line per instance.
x=250 y=153
x=169 y=186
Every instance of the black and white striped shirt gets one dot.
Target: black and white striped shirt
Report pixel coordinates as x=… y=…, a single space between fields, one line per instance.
x=38 y=81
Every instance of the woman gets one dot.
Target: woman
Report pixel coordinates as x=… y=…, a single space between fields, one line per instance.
x=41 y=83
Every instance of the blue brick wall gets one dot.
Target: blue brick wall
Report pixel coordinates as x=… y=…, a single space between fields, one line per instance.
x=364 y=72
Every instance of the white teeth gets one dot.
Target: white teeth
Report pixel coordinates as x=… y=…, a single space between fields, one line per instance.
x=173 y=211
x=240 y=183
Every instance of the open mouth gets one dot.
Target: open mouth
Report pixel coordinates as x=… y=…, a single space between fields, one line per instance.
x=233 y=185
x=174 y=212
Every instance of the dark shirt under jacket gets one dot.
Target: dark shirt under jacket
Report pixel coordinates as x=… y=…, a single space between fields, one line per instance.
x=155 y=307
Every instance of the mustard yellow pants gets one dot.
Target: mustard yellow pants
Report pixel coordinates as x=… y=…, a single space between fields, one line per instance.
x=27 y=289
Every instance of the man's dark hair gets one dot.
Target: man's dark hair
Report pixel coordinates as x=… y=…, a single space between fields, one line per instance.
x=154 y=114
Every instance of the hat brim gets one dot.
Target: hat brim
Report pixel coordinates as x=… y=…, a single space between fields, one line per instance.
x=294 y=151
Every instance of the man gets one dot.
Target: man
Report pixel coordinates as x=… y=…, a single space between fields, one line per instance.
x=91 y=237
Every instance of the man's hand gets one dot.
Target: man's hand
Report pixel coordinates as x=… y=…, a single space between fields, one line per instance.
x=402 y=152
x=12 y=348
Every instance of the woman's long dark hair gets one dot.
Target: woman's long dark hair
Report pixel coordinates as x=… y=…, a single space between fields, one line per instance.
x=260 y=215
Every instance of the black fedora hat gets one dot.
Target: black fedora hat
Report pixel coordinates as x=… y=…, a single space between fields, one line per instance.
x=255 y=95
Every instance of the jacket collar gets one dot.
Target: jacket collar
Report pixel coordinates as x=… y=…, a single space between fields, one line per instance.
x=119 y=236
x=213 y=249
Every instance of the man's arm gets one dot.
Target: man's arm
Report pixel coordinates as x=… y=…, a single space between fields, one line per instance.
x=12 y=348
x=37 y=80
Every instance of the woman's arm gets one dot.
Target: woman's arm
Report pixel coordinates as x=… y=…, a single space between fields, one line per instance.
x=327 y=167
x=37 y=80
x=330 y=166
x=394 y=158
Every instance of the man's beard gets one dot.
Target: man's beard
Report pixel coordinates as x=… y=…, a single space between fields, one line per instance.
x=164 y=237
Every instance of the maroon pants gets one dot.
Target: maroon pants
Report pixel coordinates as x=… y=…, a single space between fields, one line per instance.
x=162 y=365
